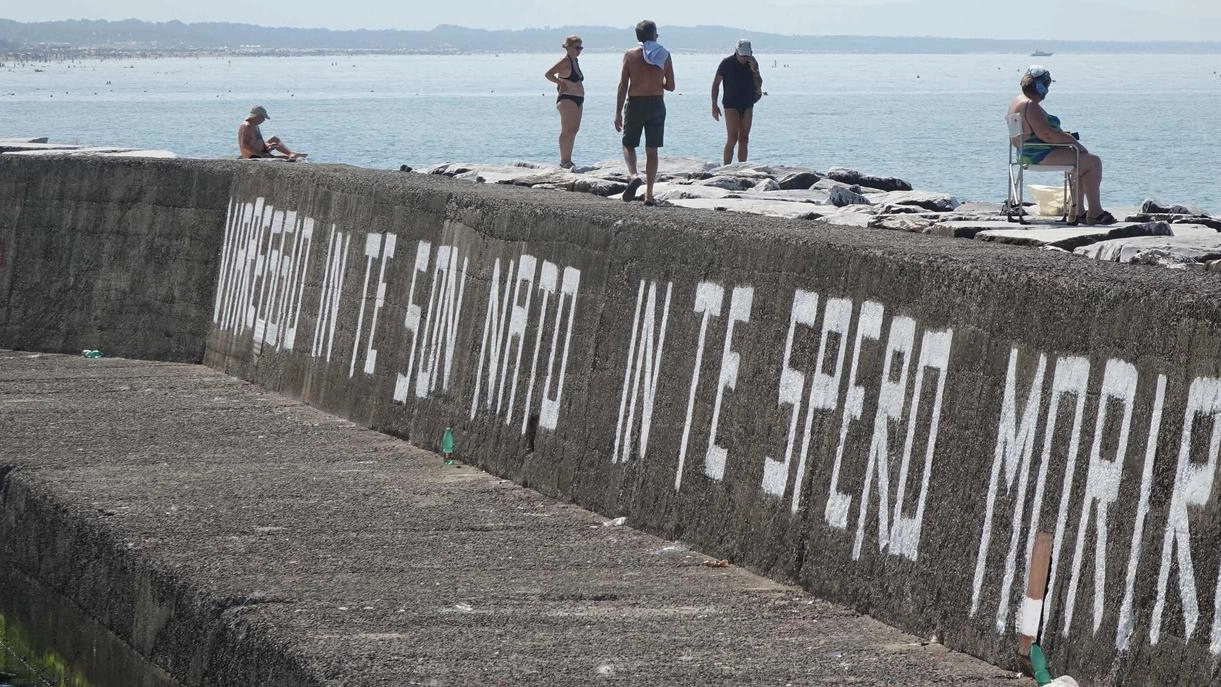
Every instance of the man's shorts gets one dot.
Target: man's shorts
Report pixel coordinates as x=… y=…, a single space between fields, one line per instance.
x=644 y=113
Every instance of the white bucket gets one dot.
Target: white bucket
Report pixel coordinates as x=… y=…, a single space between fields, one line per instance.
x=1051 y=199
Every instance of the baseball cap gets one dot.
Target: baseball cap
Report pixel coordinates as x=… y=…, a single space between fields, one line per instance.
x=259 y=111
x=743 y=48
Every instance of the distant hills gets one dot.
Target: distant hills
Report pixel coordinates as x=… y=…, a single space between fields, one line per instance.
x=136 y=36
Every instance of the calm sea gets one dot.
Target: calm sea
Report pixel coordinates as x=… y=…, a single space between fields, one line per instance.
x=935 y=120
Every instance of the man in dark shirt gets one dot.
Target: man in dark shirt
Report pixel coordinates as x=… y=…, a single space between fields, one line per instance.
x=743 y=88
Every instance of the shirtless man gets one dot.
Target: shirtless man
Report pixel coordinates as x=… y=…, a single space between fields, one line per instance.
x=648 y=72
x=250 y=138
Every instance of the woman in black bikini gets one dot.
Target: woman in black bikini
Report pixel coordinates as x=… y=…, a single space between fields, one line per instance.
x=567 y=77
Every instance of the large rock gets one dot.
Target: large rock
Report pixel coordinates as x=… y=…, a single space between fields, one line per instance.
x=498 y=174
x=753 y=170
x=1152 y=207
x=729 y=183
x=850 y=216
x=794 y=196
x=567 y=181
x=1214 y=224
x=977 y=208
x=667 y=168
x=527 y=164
x=828 y=184
x=670 y=191
x=1071 y=238
x=765 y=185
x=841 y=196
x=556 y=178
x=851 y=176
x=967 y=229
x=584 y=183
x=937 y=202
x=913 y=223
x=889 y=209
x=449 y=169
x=1190 y=243
x=754 y=207
x=798 y=180
x=1141 y=217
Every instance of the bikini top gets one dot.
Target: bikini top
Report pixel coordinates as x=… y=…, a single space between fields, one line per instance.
x=574 y=73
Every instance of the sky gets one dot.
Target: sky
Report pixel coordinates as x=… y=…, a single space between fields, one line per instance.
x=1125 y=20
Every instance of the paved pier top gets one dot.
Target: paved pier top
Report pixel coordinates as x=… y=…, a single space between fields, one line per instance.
x=237 y=533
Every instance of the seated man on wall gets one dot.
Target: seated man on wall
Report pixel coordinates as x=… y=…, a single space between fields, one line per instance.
x=250 y=139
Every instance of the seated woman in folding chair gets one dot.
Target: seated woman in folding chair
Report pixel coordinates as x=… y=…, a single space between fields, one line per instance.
x=1041 y=129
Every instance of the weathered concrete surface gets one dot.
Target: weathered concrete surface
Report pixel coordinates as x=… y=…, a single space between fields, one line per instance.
x=241 y=538
x=914 y=515
x=119 y=256
x=884 y=417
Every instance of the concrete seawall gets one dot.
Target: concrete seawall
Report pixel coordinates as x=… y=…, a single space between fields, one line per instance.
x=119 y=256
x=886 y=419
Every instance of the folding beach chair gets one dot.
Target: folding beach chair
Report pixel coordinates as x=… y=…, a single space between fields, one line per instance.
x=1017 y=171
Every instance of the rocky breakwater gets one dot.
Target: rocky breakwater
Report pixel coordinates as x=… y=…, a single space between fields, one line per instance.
x=1172 y=236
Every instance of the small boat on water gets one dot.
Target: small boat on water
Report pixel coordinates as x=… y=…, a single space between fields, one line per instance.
x=1040 y=53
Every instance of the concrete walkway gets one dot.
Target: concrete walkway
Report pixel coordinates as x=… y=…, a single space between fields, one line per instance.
x=371 y=563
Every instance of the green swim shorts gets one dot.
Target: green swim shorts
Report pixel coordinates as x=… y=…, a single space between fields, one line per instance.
x=647 y=114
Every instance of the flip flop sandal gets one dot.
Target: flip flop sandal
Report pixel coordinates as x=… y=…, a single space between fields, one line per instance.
x=1104 y=219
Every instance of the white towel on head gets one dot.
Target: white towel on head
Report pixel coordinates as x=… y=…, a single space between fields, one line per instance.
x=655 y=54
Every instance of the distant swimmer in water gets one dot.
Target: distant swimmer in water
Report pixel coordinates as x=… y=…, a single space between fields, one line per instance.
x=250 y=139
x=567 y=77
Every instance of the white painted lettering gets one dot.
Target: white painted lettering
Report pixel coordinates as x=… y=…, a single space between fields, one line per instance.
x=905 y=531
x=643 y=369
x=792 y=383
x=891 y=397
x=1193 y=487
x=412 y=321
x=868 y=326
x=708 y=299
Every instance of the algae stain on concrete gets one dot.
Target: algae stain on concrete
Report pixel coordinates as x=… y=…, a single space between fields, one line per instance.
x=24 y=663
x=46 y=640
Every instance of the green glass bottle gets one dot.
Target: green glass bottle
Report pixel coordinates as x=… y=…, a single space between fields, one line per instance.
x=1038 y=660
x=447 y=446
